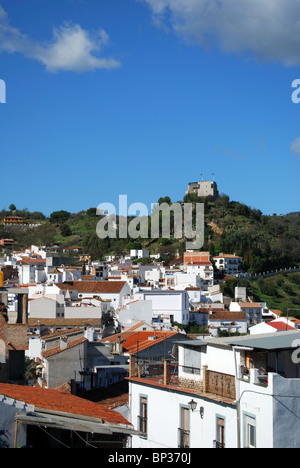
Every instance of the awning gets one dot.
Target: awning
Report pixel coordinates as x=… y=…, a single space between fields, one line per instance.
x=67 y=422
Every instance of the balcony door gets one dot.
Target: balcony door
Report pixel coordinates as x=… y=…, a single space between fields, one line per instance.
x=220 y=442
x=184 y=430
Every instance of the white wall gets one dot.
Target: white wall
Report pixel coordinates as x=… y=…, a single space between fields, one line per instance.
x=8 y=409
x=34 y=348
x=176 y=304
x=83 y=312
x=42 y=308
x=240 y=325
x=261 y=328
x=136 y=311
x=164 y=419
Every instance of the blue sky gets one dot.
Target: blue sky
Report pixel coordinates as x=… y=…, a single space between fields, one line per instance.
x=140 y=97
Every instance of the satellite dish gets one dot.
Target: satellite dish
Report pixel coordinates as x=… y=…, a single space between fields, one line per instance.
x=174 y=352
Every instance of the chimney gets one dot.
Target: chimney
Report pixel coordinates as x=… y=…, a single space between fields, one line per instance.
x=63 y=342
x=131 y=366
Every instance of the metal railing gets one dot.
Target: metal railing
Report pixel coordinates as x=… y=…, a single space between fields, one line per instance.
x=143 y=425
x=218 y=444
x=183 y=438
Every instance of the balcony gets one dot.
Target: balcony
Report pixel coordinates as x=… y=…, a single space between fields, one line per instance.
x=199 y=381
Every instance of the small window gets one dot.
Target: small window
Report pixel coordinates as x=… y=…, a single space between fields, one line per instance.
x=250 y=432
x=220 y=441
x=143 y=416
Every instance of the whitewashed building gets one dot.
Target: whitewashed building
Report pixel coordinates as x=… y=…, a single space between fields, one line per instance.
x=253 y=311
x=167 y=305
x=229 y=263
x=238 y=392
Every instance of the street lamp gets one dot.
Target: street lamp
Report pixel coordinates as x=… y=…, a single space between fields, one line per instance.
x=193 y=405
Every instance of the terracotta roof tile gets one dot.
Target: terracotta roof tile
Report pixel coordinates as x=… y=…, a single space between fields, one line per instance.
x=250 y=305
x=58 y=401
x=228 y=316
x=134 y=341
x=281 y=326
x=96 y=287
x=58 y=349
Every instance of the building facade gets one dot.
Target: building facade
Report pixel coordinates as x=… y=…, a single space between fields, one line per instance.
x=238 y=392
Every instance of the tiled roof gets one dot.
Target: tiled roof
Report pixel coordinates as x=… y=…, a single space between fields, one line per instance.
x=63 y=322
x=276 y=311
x=134 y=341
x=228 y=316
x=58 y=401
x=281 y=326
x=250 y=305
x=58 y=349
x=96 y=287
x=28 y=261
x=62 y=332
x=228 y=256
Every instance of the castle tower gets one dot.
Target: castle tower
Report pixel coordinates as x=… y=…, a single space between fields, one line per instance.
x=203 y=189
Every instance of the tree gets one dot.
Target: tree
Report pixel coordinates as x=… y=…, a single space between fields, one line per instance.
x=37 y=215
x=164 y=200
x=59 y=217
x=65 y=230
x=92 y=212
x=12 y=207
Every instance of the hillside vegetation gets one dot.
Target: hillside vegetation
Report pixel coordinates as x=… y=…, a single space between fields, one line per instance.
x=265 y=242
x=280 y=292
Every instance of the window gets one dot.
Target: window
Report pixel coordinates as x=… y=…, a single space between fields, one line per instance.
x=220 y=440
x=250 y=432
x=143 y=417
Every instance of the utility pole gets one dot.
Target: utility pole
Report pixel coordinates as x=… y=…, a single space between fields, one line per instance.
x=287 y=317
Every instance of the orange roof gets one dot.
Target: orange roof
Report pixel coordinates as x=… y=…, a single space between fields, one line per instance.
x=143 y=342
x=57 y=401
x=225 y=315
x=134 y=341
x=100 y=287
x=228 y=256
x=293 y=319
x=281 y=326
x=28 y=261
x=276 y=311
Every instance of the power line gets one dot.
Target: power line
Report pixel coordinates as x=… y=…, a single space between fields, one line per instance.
x=57 y=440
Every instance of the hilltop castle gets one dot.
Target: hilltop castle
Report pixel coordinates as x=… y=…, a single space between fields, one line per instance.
x=203 y=189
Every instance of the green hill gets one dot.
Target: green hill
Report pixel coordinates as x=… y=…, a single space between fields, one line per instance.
x=265 y=242
x=281 y=292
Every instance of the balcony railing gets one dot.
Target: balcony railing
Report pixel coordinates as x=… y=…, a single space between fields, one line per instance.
x=218 y=444
x=143 y=425
x=183 y=438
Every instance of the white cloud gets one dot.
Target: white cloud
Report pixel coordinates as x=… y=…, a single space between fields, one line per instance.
x=266 y=29
x=295 y=147
x=71 y=49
